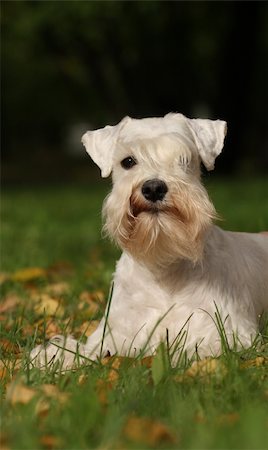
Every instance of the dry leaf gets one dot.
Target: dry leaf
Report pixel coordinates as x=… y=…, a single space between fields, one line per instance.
x=87 y=328
x=99 y=296
x=88 y=304
x=203 y=370
x=61 y=268
x=28 y=330
x=200 y=418
x=146 y=361
x=103 y=388
x=19 y=393
x=9 y=347
x=4 y=441
x=96 y=296
x=114 y=363
x=49 y=391
x=3 y=373
x=48 y=306
x=49 y=441
x=147 y=431
x=8 y=368
x=228 y=419
x=57 y=289
x=205 y=367
x=82 y=379
x=113 y=374
x=52 y=329
x=4 y=276
x=9 y=302
x=257 y=362
x=52 y=391
x=50 y=326
x=28 y=274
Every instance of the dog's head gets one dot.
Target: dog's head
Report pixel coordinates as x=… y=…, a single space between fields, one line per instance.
x=158 y=209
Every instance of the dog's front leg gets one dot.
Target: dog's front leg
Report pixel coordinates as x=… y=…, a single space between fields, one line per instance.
x=59 y=352
x=64 y=353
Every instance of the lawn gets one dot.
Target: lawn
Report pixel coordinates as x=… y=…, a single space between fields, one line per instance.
x=55 y=277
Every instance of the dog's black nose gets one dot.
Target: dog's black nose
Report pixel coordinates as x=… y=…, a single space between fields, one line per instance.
x=154 y=190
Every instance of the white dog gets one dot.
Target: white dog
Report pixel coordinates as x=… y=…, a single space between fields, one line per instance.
x=180 y=278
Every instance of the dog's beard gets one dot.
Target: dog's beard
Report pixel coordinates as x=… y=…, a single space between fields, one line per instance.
x=162 y=232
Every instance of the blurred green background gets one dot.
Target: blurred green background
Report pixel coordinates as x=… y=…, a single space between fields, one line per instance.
x=69 y=66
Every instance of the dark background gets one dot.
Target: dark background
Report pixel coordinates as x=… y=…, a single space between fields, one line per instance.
x=68 y=66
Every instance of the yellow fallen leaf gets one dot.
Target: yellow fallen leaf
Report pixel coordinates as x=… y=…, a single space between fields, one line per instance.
x=28 y=329
x=87 y=305
x=48 y=306
x=99 y=296
x=203 y=369
x=19 y=393
x=28 y=274
x=82 y=379
x=49 y=325
x=57 y=289
x=87 y=328
x=9 y=302
x=113 y=374
x=52 y=391
x=49 y=391
x=147 y=361
x=51 y=328
x=114 y=362
x=103 y=387
x=147 y=431
x=257 y=362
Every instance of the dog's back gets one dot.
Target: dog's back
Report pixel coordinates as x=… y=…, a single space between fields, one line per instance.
x=239 y=262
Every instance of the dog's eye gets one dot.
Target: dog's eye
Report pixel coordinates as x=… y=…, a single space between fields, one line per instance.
x=128 y=162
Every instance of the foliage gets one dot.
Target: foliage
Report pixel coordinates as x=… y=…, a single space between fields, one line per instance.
x=72 y=62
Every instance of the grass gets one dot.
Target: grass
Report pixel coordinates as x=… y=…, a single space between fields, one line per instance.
x=116 y=403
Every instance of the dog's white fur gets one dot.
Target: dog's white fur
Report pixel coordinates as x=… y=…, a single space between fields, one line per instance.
x=178 y=271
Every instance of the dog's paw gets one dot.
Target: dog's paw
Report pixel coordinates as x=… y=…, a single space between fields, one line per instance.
x=59 y=353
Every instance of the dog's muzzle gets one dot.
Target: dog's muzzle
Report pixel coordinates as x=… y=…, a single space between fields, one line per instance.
x=154 y=190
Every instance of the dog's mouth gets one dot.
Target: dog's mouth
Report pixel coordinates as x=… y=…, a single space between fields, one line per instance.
x=139 y=206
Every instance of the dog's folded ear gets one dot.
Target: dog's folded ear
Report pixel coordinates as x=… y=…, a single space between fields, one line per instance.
x=209 y=137
x=100 y=145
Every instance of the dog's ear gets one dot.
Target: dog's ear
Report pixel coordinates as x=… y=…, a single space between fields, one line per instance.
x=209 y=137
x=100 y=145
